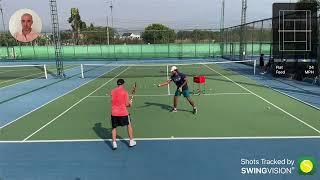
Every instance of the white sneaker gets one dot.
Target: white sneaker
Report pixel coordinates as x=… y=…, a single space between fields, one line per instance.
x=174 y=110
x=195 y=110
x=114 y=145
x=132 y=143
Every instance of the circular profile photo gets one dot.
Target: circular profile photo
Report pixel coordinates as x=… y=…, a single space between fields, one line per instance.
x=25 y=25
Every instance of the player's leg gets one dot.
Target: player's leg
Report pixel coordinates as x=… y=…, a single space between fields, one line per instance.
x=114 y=124
x=130 y=133
x=114 y=138
x=191 y=102
x=175 y=103
x=114 y=134
x=175 y=100
x=262 y=67
x=186 y=94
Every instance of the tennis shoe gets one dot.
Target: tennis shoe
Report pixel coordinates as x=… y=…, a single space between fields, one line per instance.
x=174 y=110
x=114 y=145
x=195 y=110
x=132 y=143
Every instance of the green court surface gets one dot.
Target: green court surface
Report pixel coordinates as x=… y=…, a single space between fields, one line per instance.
x=11 y=75
x=232 y=106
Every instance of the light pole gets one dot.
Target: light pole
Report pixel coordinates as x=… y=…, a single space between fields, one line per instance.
x=222 y=28
x=242 y=29
x=110 y=5
x=111 y=9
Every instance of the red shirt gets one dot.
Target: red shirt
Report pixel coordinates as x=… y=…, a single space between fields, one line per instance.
x=119 y=102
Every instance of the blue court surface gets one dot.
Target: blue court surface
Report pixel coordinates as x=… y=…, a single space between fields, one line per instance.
x=153 y=159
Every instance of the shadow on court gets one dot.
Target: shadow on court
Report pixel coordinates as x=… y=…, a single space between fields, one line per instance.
x=163 y=106
x=106 y=134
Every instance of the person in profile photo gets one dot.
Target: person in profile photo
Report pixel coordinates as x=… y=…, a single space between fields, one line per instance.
x=27 y=34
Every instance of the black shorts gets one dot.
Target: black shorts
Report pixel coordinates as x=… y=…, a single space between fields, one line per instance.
x=120 y=121
x=261 y=63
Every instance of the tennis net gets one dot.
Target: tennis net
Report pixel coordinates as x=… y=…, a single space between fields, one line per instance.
x=225 y=68
x=9 y=72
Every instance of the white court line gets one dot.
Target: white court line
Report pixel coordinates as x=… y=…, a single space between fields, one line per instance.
x=29 y=80
x=20 y=78
x=16 y=84
x=2 y=72
x=279 y=91
x=169 y=64
x=51 y=101
x=297 y=99
x=74 y=105
x=13 y=66
x=219 y=94
x=166 y=95
x=318 y=131
x=169 y=139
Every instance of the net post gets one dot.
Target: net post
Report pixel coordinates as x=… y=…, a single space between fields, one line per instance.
x=82 y=74
x=168 y=79
x=45 y=71
x=254 y=66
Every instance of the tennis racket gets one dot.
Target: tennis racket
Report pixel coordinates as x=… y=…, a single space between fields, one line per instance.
x=133 y=90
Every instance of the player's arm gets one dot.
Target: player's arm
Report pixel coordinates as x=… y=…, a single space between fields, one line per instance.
x=165 y=83
x=129 y=101
x=185 y=82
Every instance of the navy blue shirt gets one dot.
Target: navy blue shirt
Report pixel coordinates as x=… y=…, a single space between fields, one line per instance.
x=179 y=79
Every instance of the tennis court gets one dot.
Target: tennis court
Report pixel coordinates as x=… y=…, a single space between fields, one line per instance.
x=233 y=106
x=13 y=74
x=55 y=102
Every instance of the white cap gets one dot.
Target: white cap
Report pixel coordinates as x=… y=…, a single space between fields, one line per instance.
x=173 y=68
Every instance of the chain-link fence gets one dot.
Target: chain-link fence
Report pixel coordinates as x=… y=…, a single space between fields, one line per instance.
x=247 y=41
x=120 y=45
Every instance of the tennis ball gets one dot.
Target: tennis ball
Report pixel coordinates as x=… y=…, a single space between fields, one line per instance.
x=306 y=166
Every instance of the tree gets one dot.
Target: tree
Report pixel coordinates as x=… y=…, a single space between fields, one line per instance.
x=76 y=23
x=158 y=34
x=198 y=35
x=91 y=27
x=98 y=35
x=184 y=35
x=75 y=20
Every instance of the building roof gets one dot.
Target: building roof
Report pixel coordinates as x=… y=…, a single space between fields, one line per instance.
x=127 y=34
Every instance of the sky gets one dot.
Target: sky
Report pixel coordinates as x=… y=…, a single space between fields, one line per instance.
x=136 y=14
